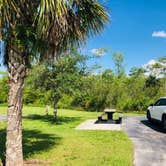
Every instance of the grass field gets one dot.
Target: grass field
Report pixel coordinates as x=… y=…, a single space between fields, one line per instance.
x=46 y=142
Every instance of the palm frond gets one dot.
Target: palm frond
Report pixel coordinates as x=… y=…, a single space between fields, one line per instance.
x=68 y=23
x=50 y=12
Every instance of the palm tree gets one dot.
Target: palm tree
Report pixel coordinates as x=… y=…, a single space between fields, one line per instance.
x=41 y=28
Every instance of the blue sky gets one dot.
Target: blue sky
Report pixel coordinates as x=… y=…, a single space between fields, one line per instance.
x=132 y=24
x=130 y=32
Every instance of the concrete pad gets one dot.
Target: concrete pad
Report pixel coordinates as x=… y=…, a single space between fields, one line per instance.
x=91 y=125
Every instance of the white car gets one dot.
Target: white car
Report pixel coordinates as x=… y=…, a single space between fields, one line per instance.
x=157 y=111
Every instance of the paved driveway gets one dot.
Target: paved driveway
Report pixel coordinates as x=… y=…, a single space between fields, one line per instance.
x=149 y=141
x=3 y=118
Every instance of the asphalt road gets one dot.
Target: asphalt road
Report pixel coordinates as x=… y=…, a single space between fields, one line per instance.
x=149 y=141
x=3 y=118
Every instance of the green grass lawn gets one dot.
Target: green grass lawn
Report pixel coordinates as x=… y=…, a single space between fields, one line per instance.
x=58 y=143
x=40 y=110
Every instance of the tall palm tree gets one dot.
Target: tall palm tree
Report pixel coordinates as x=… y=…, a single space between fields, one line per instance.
x=40 y=28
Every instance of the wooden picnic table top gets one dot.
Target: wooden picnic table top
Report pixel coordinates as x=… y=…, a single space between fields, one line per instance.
x=109 y=110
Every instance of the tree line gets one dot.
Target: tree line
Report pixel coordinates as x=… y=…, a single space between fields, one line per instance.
x=70 y=83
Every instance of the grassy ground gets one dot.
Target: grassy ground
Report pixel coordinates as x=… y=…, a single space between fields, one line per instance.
x=41 y=110
x=57 y=143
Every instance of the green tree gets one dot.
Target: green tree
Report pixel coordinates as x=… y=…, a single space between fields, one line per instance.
x=4 y=88
x=118 y=61
x=63 y=77
x=34 y=94
x=162 y=61
x=28 y=28
x=136 y=72
x=156 y=68
x=153 y=86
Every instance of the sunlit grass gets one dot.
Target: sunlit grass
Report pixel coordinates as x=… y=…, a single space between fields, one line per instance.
x=41 y=110
x=58 y=143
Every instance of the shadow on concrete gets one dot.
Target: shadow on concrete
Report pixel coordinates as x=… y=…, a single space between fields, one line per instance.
x=34 y=141
x=108 y=122
x=154 y=125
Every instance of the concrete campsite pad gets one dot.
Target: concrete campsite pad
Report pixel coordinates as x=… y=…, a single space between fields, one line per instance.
x=91 y=125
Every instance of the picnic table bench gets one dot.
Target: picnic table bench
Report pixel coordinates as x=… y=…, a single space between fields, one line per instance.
x=100 y=117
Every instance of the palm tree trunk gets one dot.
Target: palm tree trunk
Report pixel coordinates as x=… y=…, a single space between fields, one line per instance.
x=16 y=73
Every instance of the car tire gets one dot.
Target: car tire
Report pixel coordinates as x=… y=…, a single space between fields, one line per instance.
x=148 y=116
x=164 y=122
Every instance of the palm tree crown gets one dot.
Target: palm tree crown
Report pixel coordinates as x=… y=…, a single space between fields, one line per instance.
x=60 y=23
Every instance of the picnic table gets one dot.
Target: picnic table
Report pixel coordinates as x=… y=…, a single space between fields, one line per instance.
x=110 y=113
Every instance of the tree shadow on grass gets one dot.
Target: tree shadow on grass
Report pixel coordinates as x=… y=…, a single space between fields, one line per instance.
x=34 y=141
x=2 y=146
x=49 y=118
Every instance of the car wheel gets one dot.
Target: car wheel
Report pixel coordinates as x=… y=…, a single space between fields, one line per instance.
x=149 y=116
x=164 y=123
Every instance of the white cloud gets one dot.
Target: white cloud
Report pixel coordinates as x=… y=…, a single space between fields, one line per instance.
x=150 y=69
x=150 y=63
x=99 y=51
x=159 y=34
x=93 y=50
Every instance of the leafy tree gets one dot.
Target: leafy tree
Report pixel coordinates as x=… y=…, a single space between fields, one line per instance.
x=28 y=29
x=156 y=68
x=34 y=94
x=136 y=72
x=162 y=61
x=107 y=74
x=118 y=60
x=153 y=86
x=152 y=81
x=3 y=89
x=63 y=77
